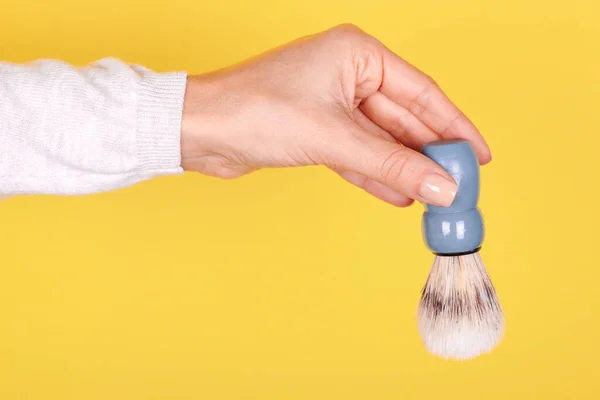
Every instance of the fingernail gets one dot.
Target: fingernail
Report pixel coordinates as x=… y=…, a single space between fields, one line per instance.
x=438 y=191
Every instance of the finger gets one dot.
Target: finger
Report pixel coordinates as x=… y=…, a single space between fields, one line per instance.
x=376 y=189
x=397 y=167
x=415 y=91
x=364 y=122
x=398 y=121
x=369 y=185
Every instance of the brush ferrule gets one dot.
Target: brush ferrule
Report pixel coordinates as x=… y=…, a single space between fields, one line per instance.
x=458 y=228
x=464 y=253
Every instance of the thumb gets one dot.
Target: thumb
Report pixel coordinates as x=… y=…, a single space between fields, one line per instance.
x=398 y=167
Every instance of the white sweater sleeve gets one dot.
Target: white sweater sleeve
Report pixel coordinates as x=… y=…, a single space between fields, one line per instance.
x=67 y=130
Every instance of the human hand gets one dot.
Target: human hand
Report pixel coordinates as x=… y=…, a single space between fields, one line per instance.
x=340 y=99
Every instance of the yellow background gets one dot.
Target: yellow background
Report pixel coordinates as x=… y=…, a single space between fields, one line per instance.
x=291 y=284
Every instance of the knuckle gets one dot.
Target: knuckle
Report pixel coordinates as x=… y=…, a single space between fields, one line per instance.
x=430 y=82
x=368 y=74
x=452 y=122
x=398 y=167
x=419 y=104
x=399 y=125
x=368 y=185
x=347 y=28
x=348 y=33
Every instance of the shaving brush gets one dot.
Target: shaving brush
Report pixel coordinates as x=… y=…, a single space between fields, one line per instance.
x=459 y=316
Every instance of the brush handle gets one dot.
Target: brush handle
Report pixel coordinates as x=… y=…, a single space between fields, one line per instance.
x=458 y=228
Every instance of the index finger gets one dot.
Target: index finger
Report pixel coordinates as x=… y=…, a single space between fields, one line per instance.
x=412 y=89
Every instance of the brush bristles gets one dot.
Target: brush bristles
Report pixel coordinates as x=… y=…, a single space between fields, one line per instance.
x=459 y=313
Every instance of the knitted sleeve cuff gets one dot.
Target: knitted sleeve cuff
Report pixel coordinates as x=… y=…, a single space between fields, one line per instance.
x=159 y=114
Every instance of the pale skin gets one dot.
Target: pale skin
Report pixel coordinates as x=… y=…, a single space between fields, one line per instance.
x=340 y=99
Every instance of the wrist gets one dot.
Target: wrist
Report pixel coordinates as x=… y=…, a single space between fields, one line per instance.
x=198 y=125
x=211 y=129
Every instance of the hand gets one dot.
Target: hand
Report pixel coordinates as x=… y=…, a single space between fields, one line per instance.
x=340 y=99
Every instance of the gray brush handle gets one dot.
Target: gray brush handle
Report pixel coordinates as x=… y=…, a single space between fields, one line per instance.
x=457 y=229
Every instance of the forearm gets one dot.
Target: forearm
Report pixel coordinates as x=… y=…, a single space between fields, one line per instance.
x=67 y=130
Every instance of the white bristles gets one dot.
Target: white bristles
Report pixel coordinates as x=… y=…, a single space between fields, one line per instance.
x=459 y=313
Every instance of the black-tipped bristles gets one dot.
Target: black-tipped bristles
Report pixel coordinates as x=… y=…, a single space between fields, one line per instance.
x=459 y=313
